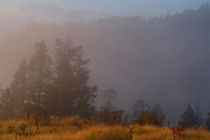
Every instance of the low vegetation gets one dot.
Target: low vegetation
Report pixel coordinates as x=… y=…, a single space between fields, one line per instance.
x=75 y=128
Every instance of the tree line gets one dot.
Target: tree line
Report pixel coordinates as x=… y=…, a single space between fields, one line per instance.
x=143 y=113
x=56 y=84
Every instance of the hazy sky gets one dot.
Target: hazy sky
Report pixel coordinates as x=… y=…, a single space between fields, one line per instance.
x=116 y=7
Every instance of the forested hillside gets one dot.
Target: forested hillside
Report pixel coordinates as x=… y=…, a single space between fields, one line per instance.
x=163 y=59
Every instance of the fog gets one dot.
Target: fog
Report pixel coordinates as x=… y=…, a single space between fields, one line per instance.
x=161 y=60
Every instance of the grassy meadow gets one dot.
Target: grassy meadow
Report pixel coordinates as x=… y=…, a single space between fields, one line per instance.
x=74 y=128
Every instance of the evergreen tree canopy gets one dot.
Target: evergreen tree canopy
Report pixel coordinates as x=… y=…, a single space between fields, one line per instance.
x=71 y=93
x=57 y=86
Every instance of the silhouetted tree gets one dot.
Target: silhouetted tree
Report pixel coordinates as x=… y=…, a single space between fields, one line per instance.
x=71 y=93
x=6 y=104
x=18 y=88
x=14 y=96
x=190 y=118
x=39 y=78
x=198 y=114
x=207 y=122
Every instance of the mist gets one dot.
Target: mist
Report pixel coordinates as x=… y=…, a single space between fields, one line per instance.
x=161 y=60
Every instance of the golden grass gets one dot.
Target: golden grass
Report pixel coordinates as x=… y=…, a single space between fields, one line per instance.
x=75 y=128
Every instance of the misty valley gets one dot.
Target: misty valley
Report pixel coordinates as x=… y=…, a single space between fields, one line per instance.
x=86 y=75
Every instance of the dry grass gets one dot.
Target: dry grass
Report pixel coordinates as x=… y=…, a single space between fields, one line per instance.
x=75 y=128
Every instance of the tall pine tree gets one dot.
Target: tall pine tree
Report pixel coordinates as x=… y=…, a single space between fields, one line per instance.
x=18 y=87
x=14 y=96
x=71 y=94
x=40 y=78
x=191 y=117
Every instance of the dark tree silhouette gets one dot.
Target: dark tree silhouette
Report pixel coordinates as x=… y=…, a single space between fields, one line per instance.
x=207 y=122
x=39 y=78
x=71 y=94
x=6 y=104
x=190 y=118
x=14 y=96
x=198 y=114
x=18 y=87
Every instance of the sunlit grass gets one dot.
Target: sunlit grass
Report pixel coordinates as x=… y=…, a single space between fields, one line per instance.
x=74 y=128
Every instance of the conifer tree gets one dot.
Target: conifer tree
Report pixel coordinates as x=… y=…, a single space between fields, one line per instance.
x=6 y=106
x=13 y=97
x=189 y=118
x=207 y=122
x=71 y=94
x=39 y=77
x=18 y=87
